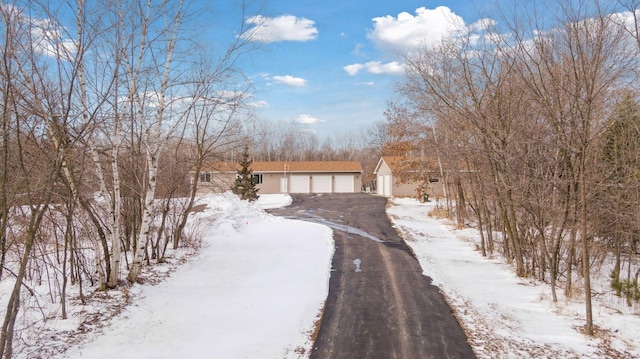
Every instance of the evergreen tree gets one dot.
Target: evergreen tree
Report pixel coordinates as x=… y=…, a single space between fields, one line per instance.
x=245 y=184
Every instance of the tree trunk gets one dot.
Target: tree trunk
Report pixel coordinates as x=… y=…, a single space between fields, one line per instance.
x=13 y=306
x=584 y=239
x=147 y=218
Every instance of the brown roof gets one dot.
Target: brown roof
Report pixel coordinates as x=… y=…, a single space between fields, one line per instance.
x=393 y=161
x=400 y=163
x=278 y=167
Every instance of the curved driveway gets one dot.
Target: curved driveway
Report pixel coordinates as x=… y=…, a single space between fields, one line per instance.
x=380 y=305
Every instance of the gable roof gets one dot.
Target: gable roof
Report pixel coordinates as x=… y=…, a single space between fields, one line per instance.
x=279 y=167
x=391 y=161
x=400 y=163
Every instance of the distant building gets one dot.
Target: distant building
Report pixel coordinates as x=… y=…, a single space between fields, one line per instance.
x=408 y=177
x=286 y=177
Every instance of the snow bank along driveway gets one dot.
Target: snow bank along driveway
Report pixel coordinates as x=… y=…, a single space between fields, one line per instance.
x=506 y=316
x=254 y=291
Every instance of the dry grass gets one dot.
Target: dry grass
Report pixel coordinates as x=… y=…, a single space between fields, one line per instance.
x=439 y=213
x=313 y=334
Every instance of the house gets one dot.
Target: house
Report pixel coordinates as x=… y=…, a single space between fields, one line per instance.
x=398 y=176
x=286 y=177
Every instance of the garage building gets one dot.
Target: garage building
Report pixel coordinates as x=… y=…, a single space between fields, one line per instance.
x=287 y=177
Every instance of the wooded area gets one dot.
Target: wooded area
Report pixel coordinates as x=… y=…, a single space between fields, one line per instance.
x=103 y=115
x=535 y=127
x=535 y=124
x=107 y=106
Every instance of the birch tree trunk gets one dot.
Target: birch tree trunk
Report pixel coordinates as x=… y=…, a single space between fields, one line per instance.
x=153 y=146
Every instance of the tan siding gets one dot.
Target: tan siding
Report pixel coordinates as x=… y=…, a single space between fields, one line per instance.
x=357 y=185
x=436 y=189
x=404 y=189
x=270 y=183
x=384 y=169
x=220 y=182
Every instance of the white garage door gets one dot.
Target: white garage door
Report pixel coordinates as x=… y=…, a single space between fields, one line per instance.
x=380 y=186
x=321 y=183
x=343 y=184
x=384 y=185
x=299 y=184
x=387 y=185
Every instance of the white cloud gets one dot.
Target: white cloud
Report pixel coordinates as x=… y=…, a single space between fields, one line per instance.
x=496 y=38
x=48 y=40
x=281 y=28
x=626 y=19
x=231 y=95
x=353 y=69
x=483 y=24
x=47 y=36
x=307 y=119
x=392 y=68
x=376 y=68
x=290 y=80
x=259 y=104
x=427 y=28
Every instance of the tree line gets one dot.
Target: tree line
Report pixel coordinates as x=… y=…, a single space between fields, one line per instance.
x=106 y=106
x=535 y=125
x=110 y=111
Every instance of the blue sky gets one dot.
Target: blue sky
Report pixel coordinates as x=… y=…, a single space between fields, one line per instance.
x=330 y=66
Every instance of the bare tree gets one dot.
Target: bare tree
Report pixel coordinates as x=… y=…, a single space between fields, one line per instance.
x=572 y=75
x=619 y=224
x=212 y=121
x=519 y=120
x=36 y=113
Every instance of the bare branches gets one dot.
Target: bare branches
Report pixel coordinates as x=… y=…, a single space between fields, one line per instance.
x=93 y=95
x=520 y=117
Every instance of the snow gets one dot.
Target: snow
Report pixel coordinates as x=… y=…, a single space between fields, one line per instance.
x=268 y=201
x=255 y=291
x=257 y=288
x=507 y=316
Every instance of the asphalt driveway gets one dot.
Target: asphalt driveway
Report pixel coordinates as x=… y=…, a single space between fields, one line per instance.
x=380 y=305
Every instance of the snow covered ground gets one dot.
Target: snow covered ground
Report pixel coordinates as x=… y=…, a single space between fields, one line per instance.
x=506 y=316
x=255 y=291
x=258 y=286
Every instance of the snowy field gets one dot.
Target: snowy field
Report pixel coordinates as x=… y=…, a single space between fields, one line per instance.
x=257 y=287
x=506 y=316
x=255 y=290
